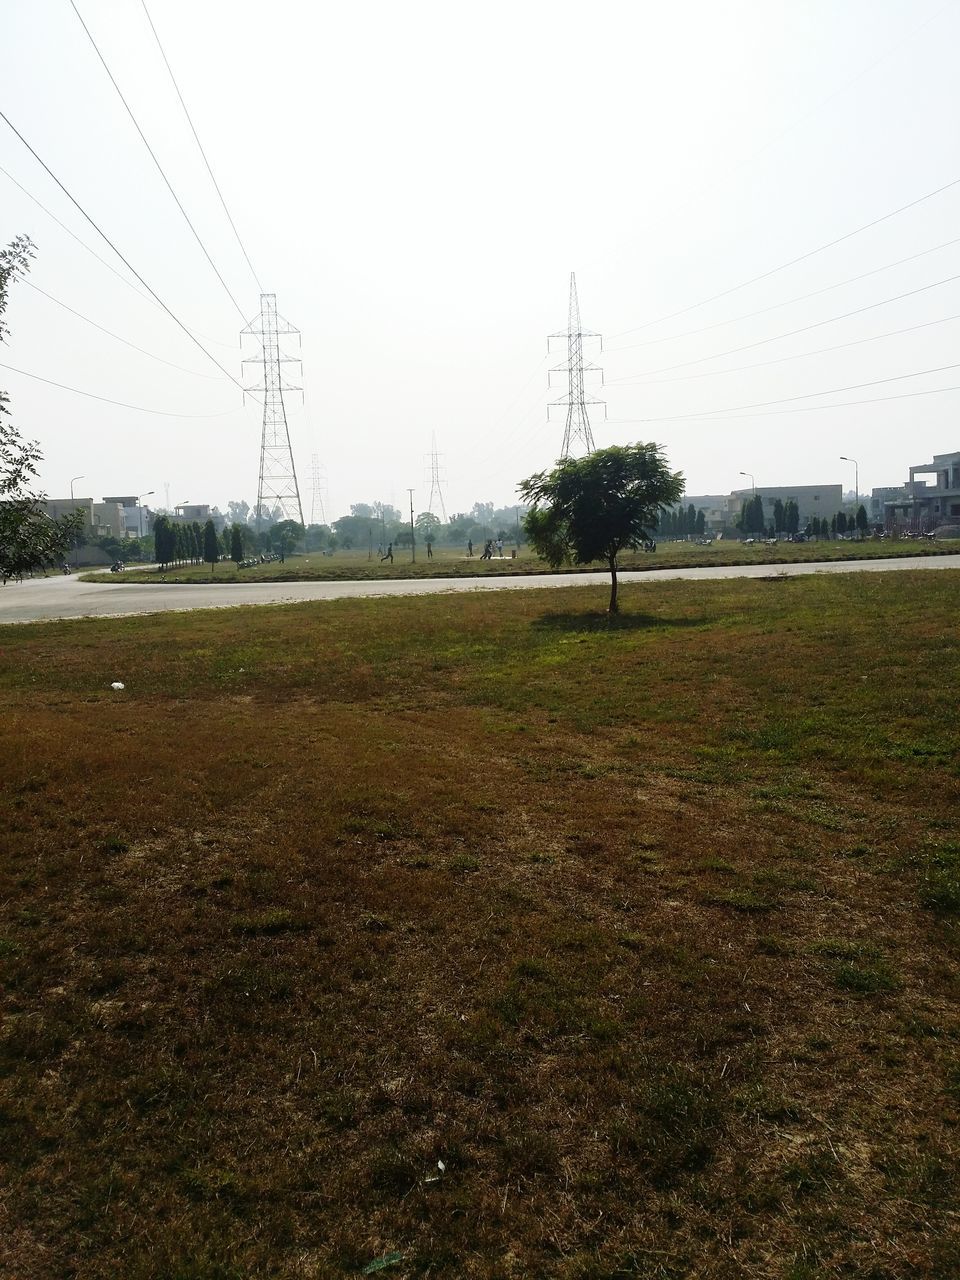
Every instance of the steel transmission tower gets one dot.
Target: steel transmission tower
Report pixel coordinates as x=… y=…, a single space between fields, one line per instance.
x=278 y=490
x=435 y=479
x=316 y=501
x=577 y=398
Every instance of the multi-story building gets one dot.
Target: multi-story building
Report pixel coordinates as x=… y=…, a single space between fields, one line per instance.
x=923 y=507
x=823 y=500
x=713 y=506
x=137 y=519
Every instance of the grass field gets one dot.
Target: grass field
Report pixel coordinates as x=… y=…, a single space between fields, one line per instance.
x=484 y=936
x=450 y=562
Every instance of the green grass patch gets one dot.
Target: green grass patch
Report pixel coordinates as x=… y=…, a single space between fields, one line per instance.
x=485 y=933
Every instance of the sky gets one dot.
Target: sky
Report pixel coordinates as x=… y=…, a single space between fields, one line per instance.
x=416 y=183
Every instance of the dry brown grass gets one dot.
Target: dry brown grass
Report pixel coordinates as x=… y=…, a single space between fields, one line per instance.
x=646 y=929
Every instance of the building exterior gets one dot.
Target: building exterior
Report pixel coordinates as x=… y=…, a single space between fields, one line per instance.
x=138 y=520
x=199 y=511
x=823 y=500
x=56 y=508
x=879 y=498
x=923 y=507
x=713 y=506
x=108 y=520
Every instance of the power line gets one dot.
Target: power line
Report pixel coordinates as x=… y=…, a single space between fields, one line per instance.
x=193 y=130
x=153 y=157
x=123 y=405
x=116 y=336
x=94 y=254
x=684 y=364
x=810 y=395
x=802 y=297
x=811 y=253
x=81 y=243
x=800 y=355
x=808 y=408
x=6 y=119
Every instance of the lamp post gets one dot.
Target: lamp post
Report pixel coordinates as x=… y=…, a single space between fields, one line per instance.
x=76 y=549
x=413 y=535
x=856 y=480
x=140 y=497
x=752 y=481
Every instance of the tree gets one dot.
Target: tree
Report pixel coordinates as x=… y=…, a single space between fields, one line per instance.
x=285 y=536
x=778 y=515
x=700 y=527
x=428 y=525
x=862 y=521
x=237 y=512
x=791 y=517
x=592 y=508
x=841 y=522
x=29 y=538
x=211 y=545
x=164 y=541
x=236 y=543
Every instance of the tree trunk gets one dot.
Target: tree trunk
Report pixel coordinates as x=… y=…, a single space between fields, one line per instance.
x=613 y=606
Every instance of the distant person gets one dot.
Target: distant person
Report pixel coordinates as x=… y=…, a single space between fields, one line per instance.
x=388 y=554
x=487 y=550
x=429 y=549
x=500 y=548
x=470 y=547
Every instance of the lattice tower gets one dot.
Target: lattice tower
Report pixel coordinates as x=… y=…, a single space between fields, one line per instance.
x=278 y=494
x=318 y=486
x=577 y=397
x=435 y=488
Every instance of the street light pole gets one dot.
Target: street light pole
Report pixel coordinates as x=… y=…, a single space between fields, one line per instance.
x=752 y=481
x=413 y=536
x=140 y=497
x=856 y=481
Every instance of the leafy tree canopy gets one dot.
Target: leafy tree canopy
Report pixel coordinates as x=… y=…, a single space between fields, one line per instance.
x=29 y=539
x=593 y=508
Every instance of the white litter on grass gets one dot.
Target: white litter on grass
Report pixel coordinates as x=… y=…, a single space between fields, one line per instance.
x=116 y=685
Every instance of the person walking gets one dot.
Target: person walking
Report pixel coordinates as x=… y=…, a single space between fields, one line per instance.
x=429 y=549
x=500 y=548
x=388 y=554
x=470 y=547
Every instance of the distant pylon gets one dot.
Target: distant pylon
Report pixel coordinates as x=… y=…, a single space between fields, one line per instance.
x=278 y=492
x=576 y=399
x=435 y=479
x=316 y=476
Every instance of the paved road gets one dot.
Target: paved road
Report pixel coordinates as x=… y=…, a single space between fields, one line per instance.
x=67 y=597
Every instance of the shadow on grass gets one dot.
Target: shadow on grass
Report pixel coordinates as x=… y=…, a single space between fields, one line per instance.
x=593 y=621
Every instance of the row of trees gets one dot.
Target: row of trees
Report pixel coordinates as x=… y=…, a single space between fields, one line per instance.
x=786 y=519
x=682 y=522
x=189 y=542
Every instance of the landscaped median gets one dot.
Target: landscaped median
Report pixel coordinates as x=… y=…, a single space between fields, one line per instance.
x=486 y=936
x=446 y=563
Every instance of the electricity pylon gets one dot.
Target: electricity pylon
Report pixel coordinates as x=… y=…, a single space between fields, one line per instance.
x=435 y=479
x=577 y=398
x=316 y=476
x=278 y=492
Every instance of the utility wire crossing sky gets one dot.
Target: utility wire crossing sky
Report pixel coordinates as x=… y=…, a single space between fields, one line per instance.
x=404 y=186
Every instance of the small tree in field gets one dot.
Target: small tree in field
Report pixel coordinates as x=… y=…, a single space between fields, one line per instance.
x=592 y=508
x=211 y=545
x=236 y=544
x=861 y=520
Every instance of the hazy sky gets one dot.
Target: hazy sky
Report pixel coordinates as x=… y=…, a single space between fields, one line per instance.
x=415 y=182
